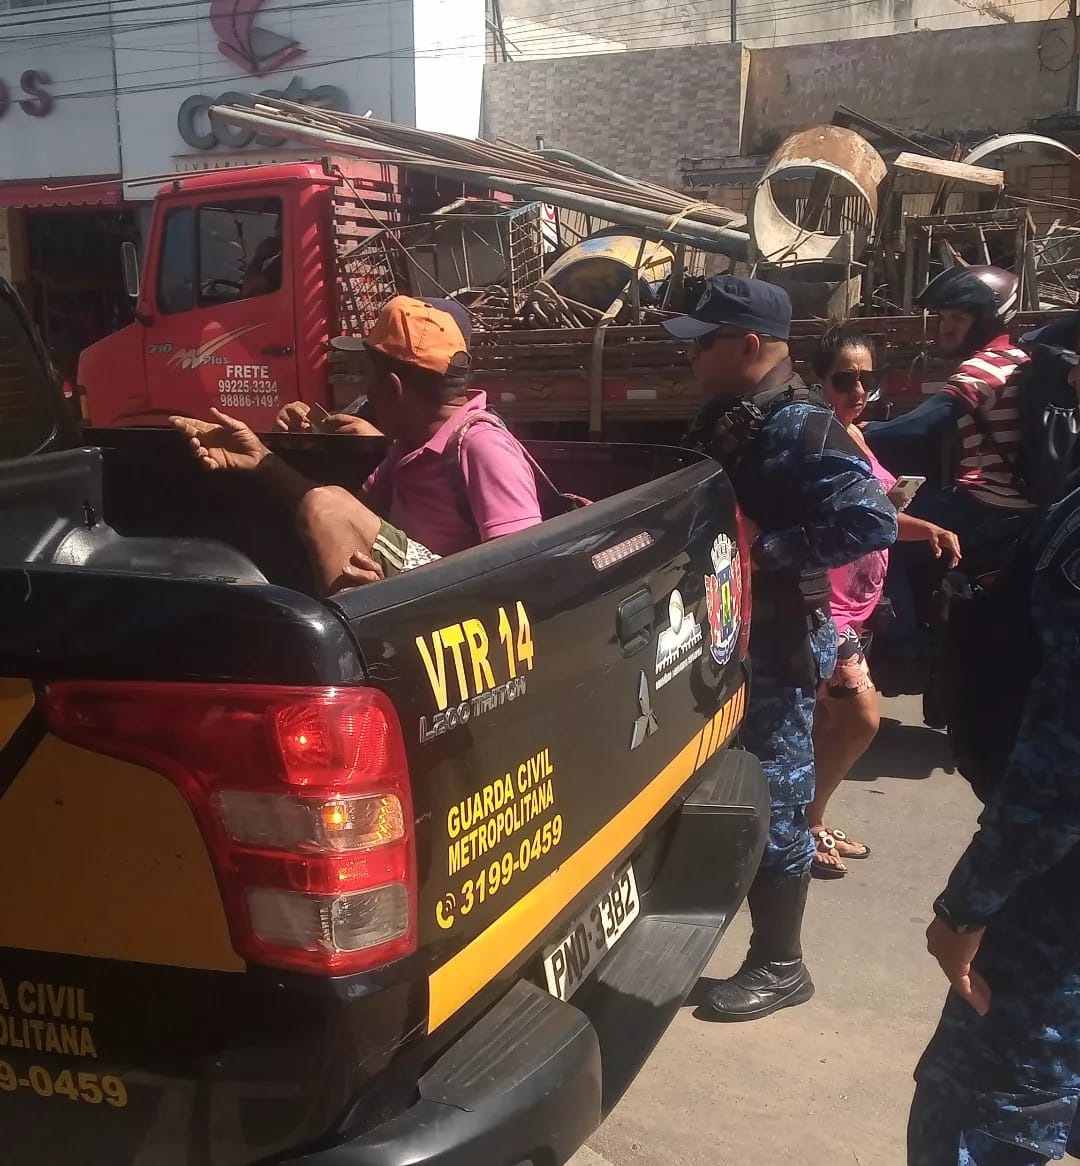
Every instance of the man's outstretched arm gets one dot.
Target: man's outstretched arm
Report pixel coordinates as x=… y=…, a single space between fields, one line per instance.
x=338 y=530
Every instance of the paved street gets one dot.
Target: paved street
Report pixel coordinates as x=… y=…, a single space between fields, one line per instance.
x=828 y=1082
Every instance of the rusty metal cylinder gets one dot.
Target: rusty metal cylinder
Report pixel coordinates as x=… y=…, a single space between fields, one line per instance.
x=832 y=223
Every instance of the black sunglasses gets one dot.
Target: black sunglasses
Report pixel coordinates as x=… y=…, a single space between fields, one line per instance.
x=704 y=343
x=846 y=380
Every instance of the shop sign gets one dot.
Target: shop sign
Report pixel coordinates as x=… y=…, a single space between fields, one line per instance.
x=203 y=131
x=257 y=51
x=39 y=102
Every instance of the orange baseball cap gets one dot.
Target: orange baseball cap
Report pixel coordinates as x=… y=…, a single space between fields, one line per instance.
x=414 y=332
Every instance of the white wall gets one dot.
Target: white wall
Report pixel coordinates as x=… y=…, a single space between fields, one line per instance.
x=449 y=39
x=78 y=135
x=557 y=25
x=360 y=49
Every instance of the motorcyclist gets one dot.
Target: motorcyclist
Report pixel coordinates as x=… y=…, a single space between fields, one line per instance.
x=979 y=405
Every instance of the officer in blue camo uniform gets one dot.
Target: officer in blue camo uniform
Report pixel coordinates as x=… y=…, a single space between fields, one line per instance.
x=999 y=1081
x=810 y=503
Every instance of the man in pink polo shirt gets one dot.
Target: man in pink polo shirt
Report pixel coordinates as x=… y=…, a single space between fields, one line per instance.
x=450 y=480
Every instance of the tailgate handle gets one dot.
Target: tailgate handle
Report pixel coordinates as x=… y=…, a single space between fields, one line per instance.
x=634 y=622
x=277 y=350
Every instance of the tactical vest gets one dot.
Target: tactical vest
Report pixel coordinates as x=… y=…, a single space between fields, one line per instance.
x=729 y=436
x=784 y=601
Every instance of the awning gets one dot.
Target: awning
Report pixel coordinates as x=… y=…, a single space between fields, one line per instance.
x=62 y=192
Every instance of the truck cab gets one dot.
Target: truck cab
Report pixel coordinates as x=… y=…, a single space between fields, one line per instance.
x=237 y=298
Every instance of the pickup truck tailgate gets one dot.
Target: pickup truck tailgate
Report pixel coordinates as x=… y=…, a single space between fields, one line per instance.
x=132 y=1033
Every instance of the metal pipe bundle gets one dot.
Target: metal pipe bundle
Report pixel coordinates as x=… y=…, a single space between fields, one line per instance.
x=509 y=169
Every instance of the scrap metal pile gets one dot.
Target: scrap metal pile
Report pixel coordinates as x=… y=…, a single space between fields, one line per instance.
x=827 y=221
x=567 y=267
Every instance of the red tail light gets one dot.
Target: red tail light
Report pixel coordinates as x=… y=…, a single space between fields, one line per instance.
x=303 y=798
x=745 y=598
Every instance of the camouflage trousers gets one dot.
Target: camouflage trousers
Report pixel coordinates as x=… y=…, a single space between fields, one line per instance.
x=1002 y=1089
x=778 y=730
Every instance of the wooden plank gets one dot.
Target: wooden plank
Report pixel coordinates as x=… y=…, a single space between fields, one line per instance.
x=950 y=171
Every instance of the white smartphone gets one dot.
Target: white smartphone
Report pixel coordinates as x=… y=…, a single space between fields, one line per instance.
x=905 y=490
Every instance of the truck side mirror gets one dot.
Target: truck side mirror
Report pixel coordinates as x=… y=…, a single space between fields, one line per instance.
x=130 y=259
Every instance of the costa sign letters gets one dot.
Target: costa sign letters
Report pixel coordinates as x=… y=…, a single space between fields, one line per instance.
x=203 y=131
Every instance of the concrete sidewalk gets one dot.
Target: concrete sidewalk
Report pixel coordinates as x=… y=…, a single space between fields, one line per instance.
x=829 y=1082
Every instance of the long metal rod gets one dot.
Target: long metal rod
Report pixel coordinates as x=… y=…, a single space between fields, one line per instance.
x=506 y=158
x=704 y=236
x=485 y=160
x=591 y=167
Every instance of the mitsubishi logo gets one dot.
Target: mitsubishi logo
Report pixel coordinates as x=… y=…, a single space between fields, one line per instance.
x=255 y=50
x=646 y=724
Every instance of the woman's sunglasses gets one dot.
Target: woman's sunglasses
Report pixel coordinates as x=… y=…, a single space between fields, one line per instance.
x=846 y=381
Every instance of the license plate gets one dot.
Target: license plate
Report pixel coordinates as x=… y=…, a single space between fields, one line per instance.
x=591 y=936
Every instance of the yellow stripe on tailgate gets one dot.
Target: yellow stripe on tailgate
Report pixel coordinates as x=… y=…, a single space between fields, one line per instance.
x=103 y=858
x=463 y=975
x=16 y=700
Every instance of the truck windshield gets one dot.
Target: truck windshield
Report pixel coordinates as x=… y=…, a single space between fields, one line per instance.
x=220 y=253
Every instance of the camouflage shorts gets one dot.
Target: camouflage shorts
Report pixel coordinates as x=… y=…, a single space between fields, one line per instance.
x=395 y=552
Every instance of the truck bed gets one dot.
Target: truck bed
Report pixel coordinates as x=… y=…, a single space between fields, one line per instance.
x=545 y=721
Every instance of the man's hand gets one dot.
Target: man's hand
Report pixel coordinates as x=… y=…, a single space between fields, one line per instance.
x=294 y=418
x=944 y=542
x=955 y=954
x=228 y=445
x=360 y=570
x=347 y=423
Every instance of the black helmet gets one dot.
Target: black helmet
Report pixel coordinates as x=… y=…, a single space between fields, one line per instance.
x=990 y=294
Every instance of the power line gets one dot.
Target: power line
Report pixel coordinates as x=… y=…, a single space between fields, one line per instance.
x=797 y=12
x=78 y=9
x=789 y=14
x=563 y=32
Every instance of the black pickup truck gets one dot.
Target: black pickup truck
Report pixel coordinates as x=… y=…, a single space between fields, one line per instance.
x=416 y=875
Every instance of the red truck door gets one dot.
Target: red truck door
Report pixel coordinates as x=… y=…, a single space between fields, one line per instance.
x=220 y=292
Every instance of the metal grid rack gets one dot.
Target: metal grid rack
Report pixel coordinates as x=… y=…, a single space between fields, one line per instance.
x=463 y=248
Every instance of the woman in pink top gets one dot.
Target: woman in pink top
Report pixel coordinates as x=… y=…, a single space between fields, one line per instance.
x=847 y=715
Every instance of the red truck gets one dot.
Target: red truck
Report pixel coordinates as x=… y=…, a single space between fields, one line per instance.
x=239 y=293
x=245 y=281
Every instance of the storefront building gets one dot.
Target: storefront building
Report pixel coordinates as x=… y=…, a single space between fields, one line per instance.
x=97 y=109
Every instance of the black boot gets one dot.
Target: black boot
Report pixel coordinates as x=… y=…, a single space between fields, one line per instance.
x=773 y=975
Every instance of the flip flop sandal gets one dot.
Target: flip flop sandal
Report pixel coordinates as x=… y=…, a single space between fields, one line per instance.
x=826 y=843
x=840 y=836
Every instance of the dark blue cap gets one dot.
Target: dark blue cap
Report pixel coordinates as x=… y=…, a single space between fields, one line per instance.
x=1058 y=334
x=734 y=301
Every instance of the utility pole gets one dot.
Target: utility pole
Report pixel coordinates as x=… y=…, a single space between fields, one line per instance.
x=735 y=19
x=1074 y=72
x=496 y=21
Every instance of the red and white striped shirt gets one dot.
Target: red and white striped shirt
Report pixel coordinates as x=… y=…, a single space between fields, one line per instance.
x=983 y=382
